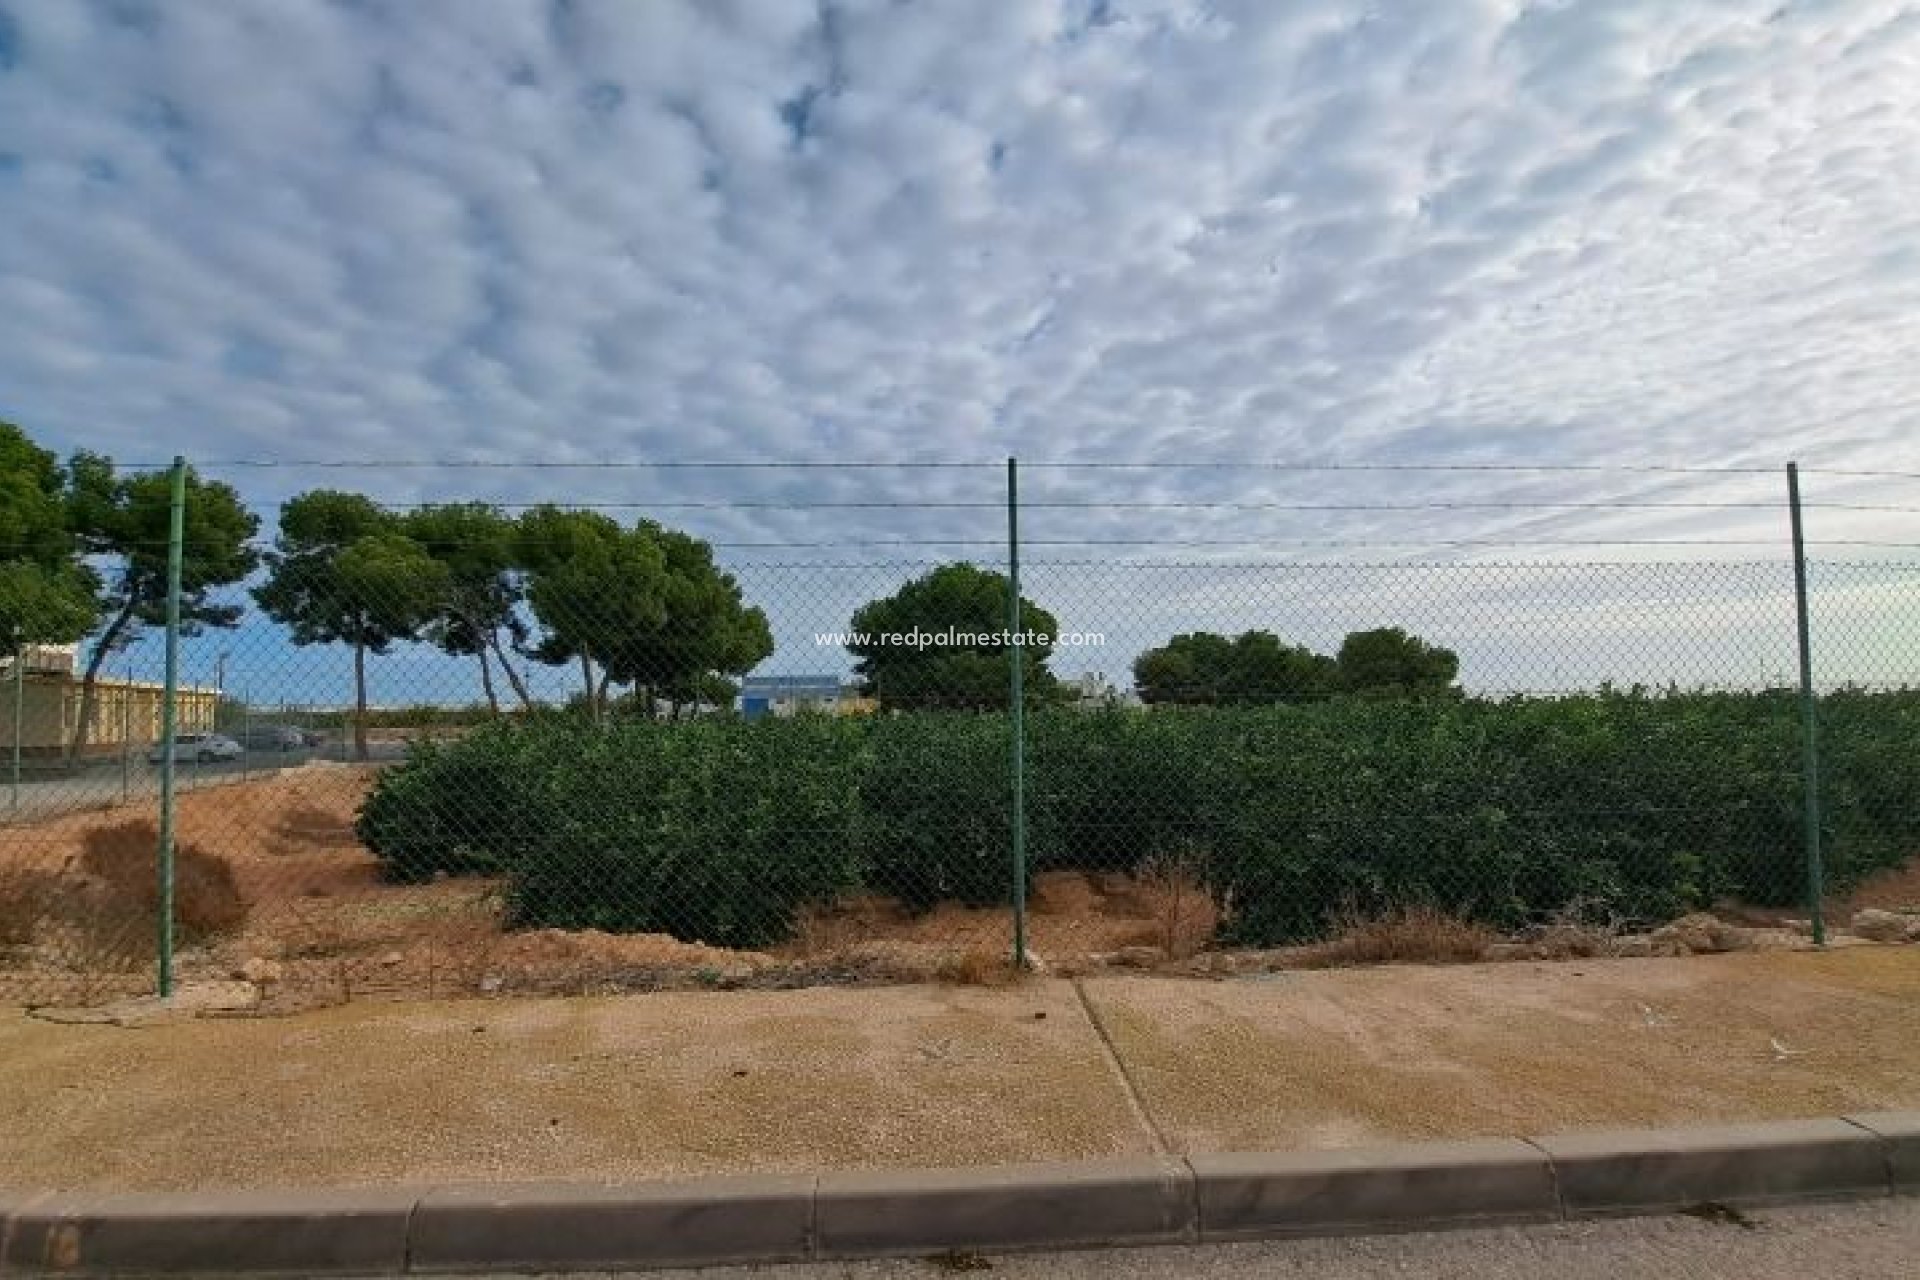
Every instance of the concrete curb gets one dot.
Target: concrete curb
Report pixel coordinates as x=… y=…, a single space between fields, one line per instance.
x=560 y=1226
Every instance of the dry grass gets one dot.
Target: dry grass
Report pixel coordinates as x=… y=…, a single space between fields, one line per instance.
x=977 y=967
x=1171 y=891
x=1577 y=932
x=1404 y=935
x=27 y=897
x=824 y=930
x=206 y=896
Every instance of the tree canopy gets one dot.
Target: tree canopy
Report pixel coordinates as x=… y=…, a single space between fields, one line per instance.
x=1251 y=669
x=46 y=595
x=123 y=521
x=1388 y=662
x=646 y=605
x=960 y=602
x=1257 y=668
x=342 y=571
x=474 y=542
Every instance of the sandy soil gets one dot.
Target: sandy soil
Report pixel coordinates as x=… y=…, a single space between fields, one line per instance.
x=675 y=1083
x=690 y=1083
x=1894 y=890
x=334 y=932
x=1349 y=1057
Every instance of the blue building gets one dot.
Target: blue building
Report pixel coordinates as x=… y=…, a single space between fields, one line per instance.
x=784 y=695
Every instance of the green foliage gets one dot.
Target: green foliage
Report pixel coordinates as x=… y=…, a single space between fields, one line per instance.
x=305 y=588
x=1255 y=669
x=1390 y=663
x=934 y=810
x=648 y=605
x=707 y=630
x=1251 y=669
x=718 y=829
x=455 y=807
x=343 y=571
x=124 y=521
x=474 y=544
x=715 y=829
x=955 y=598
x=126 y=517
x=592 y=584
x=390 y=583
x=46 y=594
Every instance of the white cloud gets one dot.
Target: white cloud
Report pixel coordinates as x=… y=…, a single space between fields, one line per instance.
x=1592 y=231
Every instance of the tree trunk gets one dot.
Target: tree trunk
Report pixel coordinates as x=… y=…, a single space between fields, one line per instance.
x=586 y=690
x=486 y=681
x=359 y=699
x=95 y=661
x=600 y=697
x=513 y=677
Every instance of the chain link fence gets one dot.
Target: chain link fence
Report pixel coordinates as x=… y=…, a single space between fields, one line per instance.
x=440 y=749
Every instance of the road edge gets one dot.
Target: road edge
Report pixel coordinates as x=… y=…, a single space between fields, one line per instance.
x=858 y=1213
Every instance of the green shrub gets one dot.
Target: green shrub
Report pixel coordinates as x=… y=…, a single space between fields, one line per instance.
x=935 y=810
x=459 y=807
x=1502 y=812
x=717 y=830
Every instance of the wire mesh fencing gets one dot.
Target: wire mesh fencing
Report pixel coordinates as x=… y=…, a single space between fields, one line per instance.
x=438 y=749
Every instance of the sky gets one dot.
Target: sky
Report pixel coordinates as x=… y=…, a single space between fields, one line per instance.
x=1484 y=233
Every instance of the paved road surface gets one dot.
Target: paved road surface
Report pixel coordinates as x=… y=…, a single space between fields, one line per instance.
x=104 y=783
x=1878 y=1239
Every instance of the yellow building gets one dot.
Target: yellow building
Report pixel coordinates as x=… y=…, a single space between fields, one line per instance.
x=124 y=712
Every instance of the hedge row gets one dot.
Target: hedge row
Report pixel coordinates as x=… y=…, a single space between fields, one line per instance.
x=721 y=830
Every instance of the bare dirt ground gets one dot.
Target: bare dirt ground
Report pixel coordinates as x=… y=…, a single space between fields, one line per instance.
x=330 y=930
x=689 y=1083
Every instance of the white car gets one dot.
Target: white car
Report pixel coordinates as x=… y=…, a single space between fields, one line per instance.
x=203 y=747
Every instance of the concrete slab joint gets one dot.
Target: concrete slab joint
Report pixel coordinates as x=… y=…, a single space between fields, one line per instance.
x=1899 y=1134
x=1496 y=1180
x=1650 y=1170
x=873 y=1211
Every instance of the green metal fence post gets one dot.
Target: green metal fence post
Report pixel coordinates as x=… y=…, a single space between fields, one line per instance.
x=1809 y=717
x=19 y=711
x=1018 y=715
x=176 y=540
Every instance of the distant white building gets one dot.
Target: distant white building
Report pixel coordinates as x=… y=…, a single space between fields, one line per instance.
x=1094 y=689
x=47 y=660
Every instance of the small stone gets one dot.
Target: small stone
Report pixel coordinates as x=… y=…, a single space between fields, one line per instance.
x=261 y=971
x=392 y=958
x=1876 y=925
x=1139 y=957
x=1700 y=934
x=491 y=983
x=1633 y=945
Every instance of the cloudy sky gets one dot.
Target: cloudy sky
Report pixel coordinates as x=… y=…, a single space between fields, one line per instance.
x=1584 y=232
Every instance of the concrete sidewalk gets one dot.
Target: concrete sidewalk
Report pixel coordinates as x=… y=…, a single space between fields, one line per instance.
x=669 y=1086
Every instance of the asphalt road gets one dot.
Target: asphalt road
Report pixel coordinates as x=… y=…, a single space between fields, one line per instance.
x=1878 y=1239
x=112 y=781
